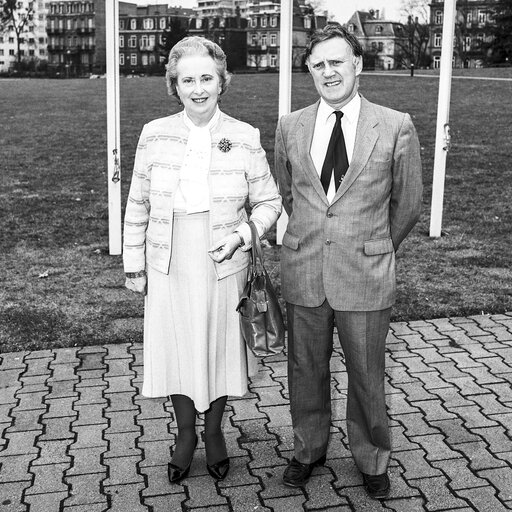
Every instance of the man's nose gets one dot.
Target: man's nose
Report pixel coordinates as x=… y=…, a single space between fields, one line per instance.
x=328 y=70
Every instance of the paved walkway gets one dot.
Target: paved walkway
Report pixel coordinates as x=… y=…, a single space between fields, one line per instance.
x=76 y=436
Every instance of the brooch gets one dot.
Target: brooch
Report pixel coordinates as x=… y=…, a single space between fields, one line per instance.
x=224 y=145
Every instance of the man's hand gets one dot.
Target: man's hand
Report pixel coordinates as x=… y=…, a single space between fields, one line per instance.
x=225 y=248
x=137 y=284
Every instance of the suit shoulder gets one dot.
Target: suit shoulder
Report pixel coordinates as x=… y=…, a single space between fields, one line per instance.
x=386 y=113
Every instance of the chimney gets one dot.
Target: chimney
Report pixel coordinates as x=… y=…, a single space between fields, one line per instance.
x=377 y=12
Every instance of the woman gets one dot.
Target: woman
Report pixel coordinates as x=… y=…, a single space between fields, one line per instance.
x=185 y=243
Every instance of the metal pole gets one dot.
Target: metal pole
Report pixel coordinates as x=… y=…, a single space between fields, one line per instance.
x=285 y=83
x=443 y=116
x=113 y=124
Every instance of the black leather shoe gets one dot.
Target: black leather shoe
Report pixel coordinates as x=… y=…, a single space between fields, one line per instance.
x=176 y=473
x=297 y=474
x=377 y=486
x=219 y=470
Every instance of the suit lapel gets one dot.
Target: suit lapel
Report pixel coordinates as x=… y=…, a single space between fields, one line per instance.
x=366 y=137
x=305 y=131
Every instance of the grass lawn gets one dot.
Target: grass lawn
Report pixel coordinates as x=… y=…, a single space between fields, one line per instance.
x=61 y=288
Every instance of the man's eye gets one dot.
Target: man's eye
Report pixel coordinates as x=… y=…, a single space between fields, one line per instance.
x=318 y=66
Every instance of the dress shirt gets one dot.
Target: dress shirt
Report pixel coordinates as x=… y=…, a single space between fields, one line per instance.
x=324 y=125
x=193 y=194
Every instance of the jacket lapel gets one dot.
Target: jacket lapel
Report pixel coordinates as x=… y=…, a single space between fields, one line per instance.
x=366 y=137
x=305 y=130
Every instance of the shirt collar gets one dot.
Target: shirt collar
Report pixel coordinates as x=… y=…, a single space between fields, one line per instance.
x=350 y=110
x=211 y=123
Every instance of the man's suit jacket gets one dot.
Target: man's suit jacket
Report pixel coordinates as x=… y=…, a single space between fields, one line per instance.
x=345 y=251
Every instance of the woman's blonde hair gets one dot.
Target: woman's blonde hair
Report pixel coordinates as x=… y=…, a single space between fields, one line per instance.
x=195 y=45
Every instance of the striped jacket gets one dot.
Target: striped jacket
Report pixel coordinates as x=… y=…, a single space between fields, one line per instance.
x=235 y=175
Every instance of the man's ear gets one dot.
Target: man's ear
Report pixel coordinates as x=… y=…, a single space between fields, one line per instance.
x=358 y=64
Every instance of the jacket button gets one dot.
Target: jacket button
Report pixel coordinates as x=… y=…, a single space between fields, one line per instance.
x=329 y=214
x=327 y=242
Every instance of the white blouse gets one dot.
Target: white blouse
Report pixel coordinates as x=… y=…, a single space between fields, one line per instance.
x=193 y=194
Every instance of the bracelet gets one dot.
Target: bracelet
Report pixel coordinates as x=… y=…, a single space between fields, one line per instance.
x=134 y=275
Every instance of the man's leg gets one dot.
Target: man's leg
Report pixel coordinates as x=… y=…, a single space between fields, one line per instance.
x=310 y=332
x=363 y=339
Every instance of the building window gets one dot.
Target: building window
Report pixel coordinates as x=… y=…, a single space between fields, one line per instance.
x=273 y=39
x=132 y=42
x=11 y=39
x=263 y=21
x=438 y=18
x=254 y=40
x=162 y=23
x=151 y=58
x=151 y=42
x=1 y=52
x=469 y=18
x=482 y=17
x=374 y=46
x=381 y=47
x=273 y=21
x=307 y=23
x=378 y=29
x=41 y=52
x=121 y=59
x=467 y=43
x=352 y=28
x=121 y=41
x=263 y=39
x=31 y=52
x=11 y=52
x=254 y=22
x=143 y=41
x=437 y=61
x=437 y=40
x=133 y=59
x=273 y=61
x=145 y=59
x=133 y=24
x=148 y=23
x=199 y=23
x=121 y=24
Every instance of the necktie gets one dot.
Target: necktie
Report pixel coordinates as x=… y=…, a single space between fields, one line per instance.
x=336 y=156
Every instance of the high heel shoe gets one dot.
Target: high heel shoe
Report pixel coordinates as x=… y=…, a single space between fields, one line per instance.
x=176 y=474
x=219 y=470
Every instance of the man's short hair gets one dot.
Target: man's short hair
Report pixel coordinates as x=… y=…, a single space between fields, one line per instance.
x=331 y=31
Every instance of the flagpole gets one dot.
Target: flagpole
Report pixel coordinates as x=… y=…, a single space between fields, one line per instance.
x=443 y=116
x=113 y=127
x=285 y=83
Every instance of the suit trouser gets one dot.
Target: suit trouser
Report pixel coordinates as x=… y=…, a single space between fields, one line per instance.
x=310 y=344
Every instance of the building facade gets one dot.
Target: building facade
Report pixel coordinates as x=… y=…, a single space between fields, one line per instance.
x=473 y=29
x=263 y=33
x=76 y=37
x=228 y=32
x=141 y=35
x=382 y=40
x=32 y=52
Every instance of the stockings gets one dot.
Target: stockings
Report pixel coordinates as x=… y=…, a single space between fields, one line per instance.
x=215 y=444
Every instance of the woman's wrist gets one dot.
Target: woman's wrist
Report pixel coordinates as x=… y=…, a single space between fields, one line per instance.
x=240 y=238
x=134 y=275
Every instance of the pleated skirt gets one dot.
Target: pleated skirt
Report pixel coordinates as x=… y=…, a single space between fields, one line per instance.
x=192 y=340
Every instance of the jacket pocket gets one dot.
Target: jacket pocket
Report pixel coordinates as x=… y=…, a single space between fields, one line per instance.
x=380 y=246
x=291 y=241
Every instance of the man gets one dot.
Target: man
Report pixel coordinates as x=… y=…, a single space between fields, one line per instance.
x=352 y=195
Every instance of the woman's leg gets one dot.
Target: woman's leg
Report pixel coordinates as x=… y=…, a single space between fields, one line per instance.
x=186 y=441
x=214 y=439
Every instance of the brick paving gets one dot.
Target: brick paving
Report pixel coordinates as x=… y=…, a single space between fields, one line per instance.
x=76 y=435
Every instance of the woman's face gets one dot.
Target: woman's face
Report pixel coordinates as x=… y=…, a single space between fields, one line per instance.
x=198 y=87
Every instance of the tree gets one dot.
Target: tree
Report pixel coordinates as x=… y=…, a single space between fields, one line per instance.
x=413 y=44
x=500 y=47
x=14 y=16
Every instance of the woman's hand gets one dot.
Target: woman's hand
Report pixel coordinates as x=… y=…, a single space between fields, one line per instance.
x=225 y=248
x=137 y=284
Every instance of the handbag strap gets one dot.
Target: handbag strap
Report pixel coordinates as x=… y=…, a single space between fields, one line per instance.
x=256 y=251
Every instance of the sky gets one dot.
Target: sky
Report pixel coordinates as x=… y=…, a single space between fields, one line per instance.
x=341 y=9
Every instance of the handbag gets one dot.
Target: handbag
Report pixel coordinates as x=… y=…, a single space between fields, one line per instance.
x=261 y=319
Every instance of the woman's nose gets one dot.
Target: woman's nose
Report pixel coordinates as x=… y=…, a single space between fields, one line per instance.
x=198 y=86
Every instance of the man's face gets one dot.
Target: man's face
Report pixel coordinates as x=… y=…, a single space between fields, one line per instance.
x=335 y=70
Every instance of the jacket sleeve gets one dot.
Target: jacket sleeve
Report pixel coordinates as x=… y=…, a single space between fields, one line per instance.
x=137 y=212
x=264 y=198
x=282 y=169
x=407 y=191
